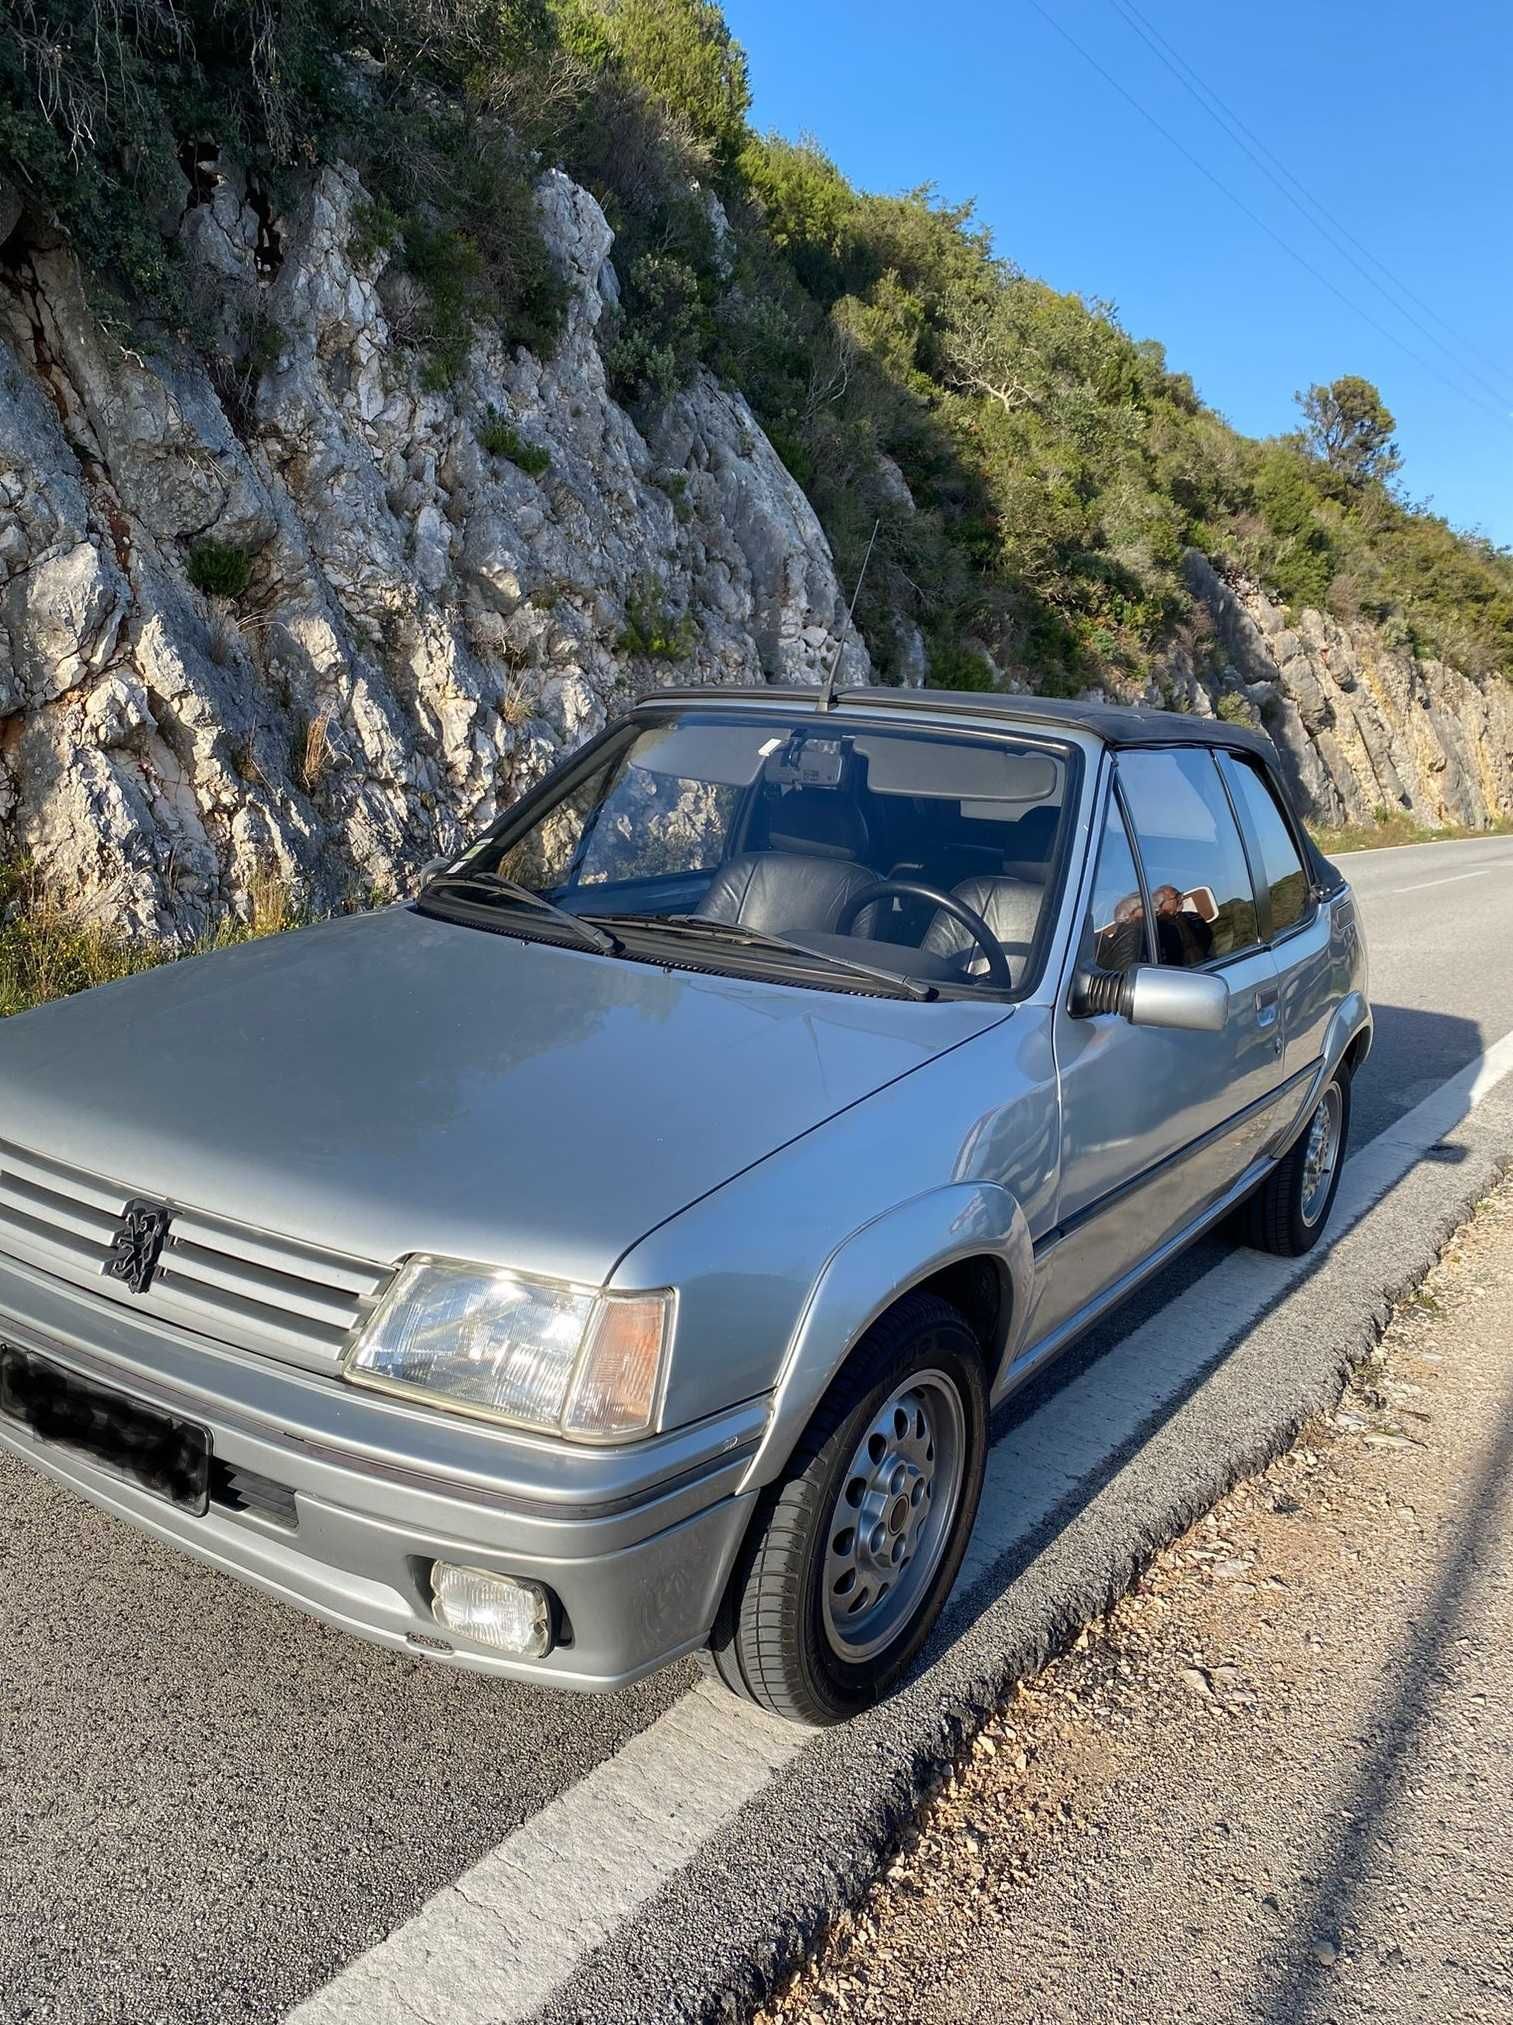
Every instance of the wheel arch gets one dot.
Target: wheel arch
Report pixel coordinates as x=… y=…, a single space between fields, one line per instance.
x=1346 y=1046
x=1358 y=1048
x=967 y=1242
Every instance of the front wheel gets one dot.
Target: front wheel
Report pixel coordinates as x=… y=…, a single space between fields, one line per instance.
x=1288 y=1212
x=854 y=1549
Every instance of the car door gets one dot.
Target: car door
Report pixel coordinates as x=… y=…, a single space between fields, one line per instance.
x=1308 y=956
x=1157 y=1124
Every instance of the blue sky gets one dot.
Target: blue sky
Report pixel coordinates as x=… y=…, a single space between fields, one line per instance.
x=1395 y=115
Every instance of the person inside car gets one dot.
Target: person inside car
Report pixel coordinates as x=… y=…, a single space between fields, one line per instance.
x=1183 y=937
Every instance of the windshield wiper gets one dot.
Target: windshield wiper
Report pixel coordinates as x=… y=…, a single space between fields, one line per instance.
x=497 y=887
x=763 y=938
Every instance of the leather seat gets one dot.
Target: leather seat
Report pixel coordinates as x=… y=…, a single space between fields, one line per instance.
x=805 y=878
x=1011 y=908
x=817 y=823
x=1030 y=844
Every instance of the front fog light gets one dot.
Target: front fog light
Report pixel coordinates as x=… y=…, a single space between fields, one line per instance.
x=499 y=1610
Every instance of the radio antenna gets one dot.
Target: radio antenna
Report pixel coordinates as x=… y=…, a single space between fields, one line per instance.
x=827 y=690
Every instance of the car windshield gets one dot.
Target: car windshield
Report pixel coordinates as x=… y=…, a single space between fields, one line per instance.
x=873 y=853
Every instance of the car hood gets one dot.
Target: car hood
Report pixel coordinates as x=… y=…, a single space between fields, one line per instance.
x=393 y=1083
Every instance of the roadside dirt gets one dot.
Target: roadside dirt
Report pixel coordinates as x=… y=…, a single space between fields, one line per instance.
x=1277 y=1782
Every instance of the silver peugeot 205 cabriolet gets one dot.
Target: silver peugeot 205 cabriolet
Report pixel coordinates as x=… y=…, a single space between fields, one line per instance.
x=616 y=1251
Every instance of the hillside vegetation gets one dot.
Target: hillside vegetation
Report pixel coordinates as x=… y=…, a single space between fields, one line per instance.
x=1037 y=473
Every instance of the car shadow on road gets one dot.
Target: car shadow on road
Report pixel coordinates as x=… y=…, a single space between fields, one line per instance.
x=1408 y=1033
x=1421 y=1676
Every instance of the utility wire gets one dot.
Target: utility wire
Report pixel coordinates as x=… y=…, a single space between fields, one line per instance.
x=1260 y=223
x=1302 y=200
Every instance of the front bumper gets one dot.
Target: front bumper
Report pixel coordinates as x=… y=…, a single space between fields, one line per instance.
x=636 y=1544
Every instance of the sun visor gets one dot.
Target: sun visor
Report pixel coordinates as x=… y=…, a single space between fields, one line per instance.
x=729 y=755
x=945 y=771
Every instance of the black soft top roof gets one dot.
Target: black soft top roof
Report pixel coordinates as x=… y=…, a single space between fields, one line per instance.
x=1116 y=724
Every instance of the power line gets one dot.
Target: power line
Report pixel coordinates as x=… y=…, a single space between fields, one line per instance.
x=1302 y=199
x=1258 y=221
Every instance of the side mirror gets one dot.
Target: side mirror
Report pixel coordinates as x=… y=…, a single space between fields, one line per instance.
x=429 y=870
x=1154 y=995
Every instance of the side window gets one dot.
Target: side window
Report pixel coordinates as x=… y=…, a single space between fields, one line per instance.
x=1280 y=863
x=1116 y=913
x=1194 y=861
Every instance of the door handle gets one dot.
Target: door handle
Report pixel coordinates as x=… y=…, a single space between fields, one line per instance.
x=1268 y=1009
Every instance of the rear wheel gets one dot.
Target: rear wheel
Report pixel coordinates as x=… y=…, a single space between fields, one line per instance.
x=1288 y=1212
x=854 y=1550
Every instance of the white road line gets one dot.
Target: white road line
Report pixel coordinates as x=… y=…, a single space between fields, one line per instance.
x=491 y=1948
x=1423 y=885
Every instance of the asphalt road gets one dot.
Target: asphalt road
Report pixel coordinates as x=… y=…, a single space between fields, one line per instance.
x=1289 y=1747
x=211 y=1807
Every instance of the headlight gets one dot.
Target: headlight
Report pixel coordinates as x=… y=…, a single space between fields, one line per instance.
x=505 y=1346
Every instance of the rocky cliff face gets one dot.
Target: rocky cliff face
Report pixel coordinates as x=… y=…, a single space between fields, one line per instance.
x=1362 y=726
x=409 y=625
x=423 y=623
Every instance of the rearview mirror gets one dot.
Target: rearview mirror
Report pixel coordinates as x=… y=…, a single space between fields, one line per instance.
x=1154 y=995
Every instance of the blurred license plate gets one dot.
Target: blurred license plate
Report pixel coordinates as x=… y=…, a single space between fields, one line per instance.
x=149 y=1449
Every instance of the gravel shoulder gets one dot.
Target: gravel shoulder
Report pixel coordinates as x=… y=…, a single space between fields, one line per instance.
x=1276 y=1781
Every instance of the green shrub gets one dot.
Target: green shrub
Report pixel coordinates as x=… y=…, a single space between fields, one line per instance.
x=1300 y=563
x=448 y=267
x=500 y=439
x=219 y=569
x=45 y=955
x=101 y=103
x=1236 y=709
x=651 y=630
x=808 y=208
x=795 y=453
x=954 y=665
x=660 y=334
x=675 y=485
x=376 y=228
x=683 y=54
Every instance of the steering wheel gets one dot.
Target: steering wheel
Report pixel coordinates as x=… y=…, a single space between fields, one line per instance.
x=999 y=974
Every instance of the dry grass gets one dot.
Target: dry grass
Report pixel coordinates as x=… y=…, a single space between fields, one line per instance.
x=45 y=955
x=49 y=952
x=1398 y=828
x=271 y=909
x=313 y=758
x=517 y=705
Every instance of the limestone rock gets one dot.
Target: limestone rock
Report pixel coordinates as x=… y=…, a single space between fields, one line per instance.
x=1362 y=727
x=425 y=625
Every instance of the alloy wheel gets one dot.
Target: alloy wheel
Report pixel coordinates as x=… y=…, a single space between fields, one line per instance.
x=894 y=1515
x=1321 y=1154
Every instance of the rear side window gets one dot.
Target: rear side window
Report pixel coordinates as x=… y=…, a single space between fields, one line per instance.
x=1280 y=864
x=1116 y=913
x=1194 y=861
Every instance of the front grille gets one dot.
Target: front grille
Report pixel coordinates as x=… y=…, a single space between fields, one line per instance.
x=222 y=1279
x=239 y=1490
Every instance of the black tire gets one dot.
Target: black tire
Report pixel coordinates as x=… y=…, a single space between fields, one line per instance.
x=770 y=1641
x=1278 y=1217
